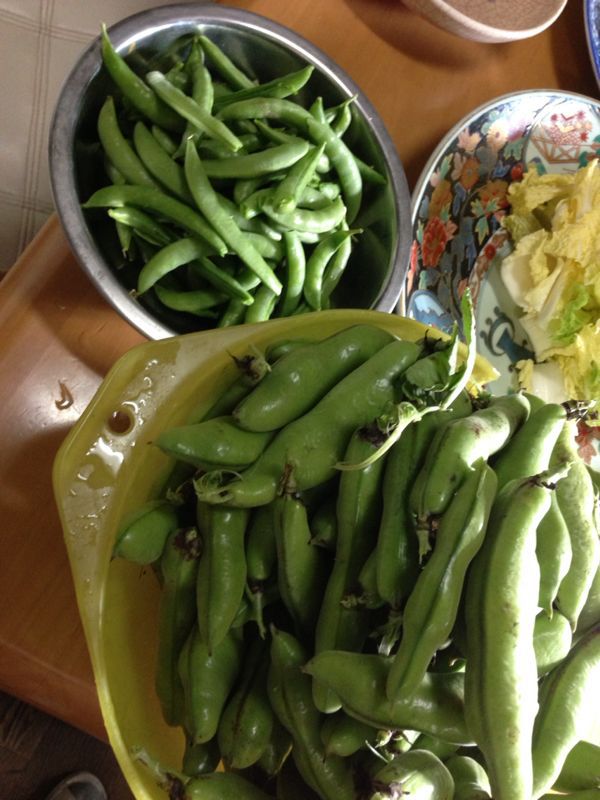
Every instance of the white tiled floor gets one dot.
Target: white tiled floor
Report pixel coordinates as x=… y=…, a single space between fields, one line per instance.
x=40 y=40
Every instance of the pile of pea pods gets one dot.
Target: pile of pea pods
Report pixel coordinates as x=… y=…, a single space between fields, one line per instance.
x=342 y=619
x=231 y=201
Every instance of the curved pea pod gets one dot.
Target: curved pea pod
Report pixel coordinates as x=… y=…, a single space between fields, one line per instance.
x=470 y=779
x=359 y=680
x=432 y=606
x=214 y=442
x=397 y=551
x=176 y=617
x=566 y=714
x=222 y=786
x=529 y=450
x=554 y=554
x=552 y=638
x=314 y=443
x=418 y=774
x=302 y=570
x=142 y=537
x=343 y=735
x=198 y=759
x=358 y=515
x=222 y=571
x=455 y=449
x=575 y=495
x=581 y=769
x=247 y=720
x=290 y=694
x=207 y=681
x=323 y=525
x=501 y=607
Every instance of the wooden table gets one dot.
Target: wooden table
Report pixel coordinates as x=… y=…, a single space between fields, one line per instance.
x=58 y=337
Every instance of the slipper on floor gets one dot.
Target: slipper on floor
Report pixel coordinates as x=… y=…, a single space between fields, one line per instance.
x=78 y=786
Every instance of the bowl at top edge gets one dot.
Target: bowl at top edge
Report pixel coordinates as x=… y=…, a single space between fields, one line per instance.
x=377 y=267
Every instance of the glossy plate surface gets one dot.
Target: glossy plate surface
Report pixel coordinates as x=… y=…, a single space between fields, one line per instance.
x=458 y=205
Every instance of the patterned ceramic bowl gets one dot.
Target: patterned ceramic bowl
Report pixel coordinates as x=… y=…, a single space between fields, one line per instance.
x=458 y=204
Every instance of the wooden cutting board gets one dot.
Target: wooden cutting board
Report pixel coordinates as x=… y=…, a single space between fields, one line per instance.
x=58 y=337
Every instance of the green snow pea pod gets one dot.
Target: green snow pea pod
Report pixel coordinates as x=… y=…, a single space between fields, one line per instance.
x=263 y=306
x=159 y=164
x=291 y=697
x=221 y=62
x=552 y=638
x=176 y=617
x=501 y=607
x=302 y=378
x=137 y=92
x=581 y=769
x=143 y=224
x=432 y=606
x=314 y=443
x=358 y=516
x=290 y=189
x=359 y=680
x=282 y=86
x=576 y=500
x=319 y=220
x=529 y=450
x=218 y=441
x=262 y=162
x=207 y=682
x=318 y=262
x=117 y=148
x=301 y=568
x=199 y=759
x=222 y=571
x=222 y=786
x=566 y=714
x=457 y=446
x=143 y=534
x=164 y=139
x=470 y=779
x=198 y=302
x=343 y=735
x=247 y=720
x=418 y=773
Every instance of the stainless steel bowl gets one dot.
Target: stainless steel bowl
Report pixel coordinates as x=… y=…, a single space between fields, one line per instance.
x=375 y=274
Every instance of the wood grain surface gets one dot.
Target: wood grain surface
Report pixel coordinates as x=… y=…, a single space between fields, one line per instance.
x=58 y=337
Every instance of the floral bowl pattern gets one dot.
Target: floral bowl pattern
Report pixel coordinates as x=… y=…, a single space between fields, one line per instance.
x=458 y=205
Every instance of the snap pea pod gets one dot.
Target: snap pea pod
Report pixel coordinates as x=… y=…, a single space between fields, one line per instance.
x=453 y=451
x=552 y=638
x=581 y=769
x=208 y=204
x=290 y=189
x=529 y=450
x=265 y=300
x=343 y=735
x=176 y=617
x=199 y=302
x=295 y=261
x=164 y=169
x=216 y=441
x=470 y=779
x=222 y=786
x=221 y=62
x=335 y=269
x=164 y=139
x=171 y=256
x=301 y=569
x=251 y=165
x=565 y=715
x=143 y=534
x=576 y=500
x=421 y=775
x=137 y=91
x=301 y=379
x=222 y=571
x=501 y=607
x=144 y=225
x=397 y=546
x=290 y=695
x=358 y=516
x=432 y=606
x=283 y=86
x=247 y=720
x=207 y=681
x=313 y=444
x=317 y=264
x=359 y=680
x=117 y=148
x=152 y=199
x=319 y=220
